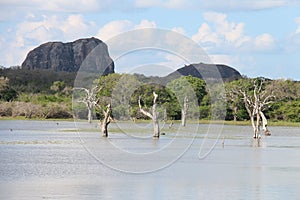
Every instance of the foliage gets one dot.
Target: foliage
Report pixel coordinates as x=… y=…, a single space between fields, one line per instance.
x=44 y=93
x=58 y=86
x=35 y=81
x=188 y=86
x=6 y=92
x=166 y=100
x=286 y=95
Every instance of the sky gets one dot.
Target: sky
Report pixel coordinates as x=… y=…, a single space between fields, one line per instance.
x=256 y=37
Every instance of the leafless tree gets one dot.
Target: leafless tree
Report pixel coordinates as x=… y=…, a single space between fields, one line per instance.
x=90 y=100
x=153 y=115
x=184 y=111
x=256 y=102
x=106 y=119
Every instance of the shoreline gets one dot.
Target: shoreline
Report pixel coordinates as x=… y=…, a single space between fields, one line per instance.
x=238 y=123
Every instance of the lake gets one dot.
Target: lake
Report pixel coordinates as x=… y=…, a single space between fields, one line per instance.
x=67 y=160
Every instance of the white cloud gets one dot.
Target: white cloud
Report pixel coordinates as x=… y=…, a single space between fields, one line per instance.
x=75 y=27
x=218 y=34
x=40 y=29
x=293 y=40
x=297 y=20
x=145 y=24
x=61 y=6
x=179 y=30
x=114 y=28
x=96 y=5
x=51 y=28
x=216 y=5
x=264 y=42
x=206 y=35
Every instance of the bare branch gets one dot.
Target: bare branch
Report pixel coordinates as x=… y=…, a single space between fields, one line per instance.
x=143 y=111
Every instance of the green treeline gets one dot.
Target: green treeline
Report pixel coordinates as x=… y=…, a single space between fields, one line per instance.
x=49 y=95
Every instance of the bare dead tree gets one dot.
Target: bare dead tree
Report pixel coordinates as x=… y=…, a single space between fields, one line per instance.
x=255 y=104
x=107 y=118
x=184 y=111
x=153 y=116
x=89 y=100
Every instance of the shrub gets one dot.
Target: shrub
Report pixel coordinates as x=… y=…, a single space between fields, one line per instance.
x=5 y=109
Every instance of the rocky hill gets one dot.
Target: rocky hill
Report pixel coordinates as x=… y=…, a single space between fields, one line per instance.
x=69 y=57
x=207 y=71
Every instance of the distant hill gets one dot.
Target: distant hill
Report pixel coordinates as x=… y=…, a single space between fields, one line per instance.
x=68 y=57
x=57 y=61
x=208 y=71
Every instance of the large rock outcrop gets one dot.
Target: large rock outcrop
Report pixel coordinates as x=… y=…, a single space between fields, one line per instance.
x=69 y=57
x=209 y=72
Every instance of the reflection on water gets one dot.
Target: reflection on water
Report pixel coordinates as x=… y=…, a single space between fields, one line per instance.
x=48 y=160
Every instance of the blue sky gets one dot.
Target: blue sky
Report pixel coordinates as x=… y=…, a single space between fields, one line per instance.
x=258 y=37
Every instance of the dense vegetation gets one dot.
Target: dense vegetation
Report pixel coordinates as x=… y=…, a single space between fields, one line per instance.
x=47 y=94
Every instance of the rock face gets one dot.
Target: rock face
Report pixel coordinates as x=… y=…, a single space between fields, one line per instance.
x=206 y=71
x=70 y=57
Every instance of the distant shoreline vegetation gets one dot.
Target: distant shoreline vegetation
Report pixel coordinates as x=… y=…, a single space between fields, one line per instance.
x=45 y=94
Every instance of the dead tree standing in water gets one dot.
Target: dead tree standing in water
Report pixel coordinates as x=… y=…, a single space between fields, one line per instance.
x=153 y=116
x=91 y=101
x=107 y=118
x=184 y=111
x=255 y=104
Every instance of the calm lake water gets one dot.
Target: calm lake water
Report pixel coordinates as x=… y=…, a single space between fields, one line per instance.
x=52 y=160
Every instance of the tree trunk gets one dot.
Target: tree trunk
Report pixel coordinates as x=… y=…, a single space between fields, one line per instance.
x=257 y=126
x=253 y=126
x=153 y=116
x=106 y=121
x=235 y=113
x=184 y=111
x=264 y=124
x=156 y=129
x=90 y=110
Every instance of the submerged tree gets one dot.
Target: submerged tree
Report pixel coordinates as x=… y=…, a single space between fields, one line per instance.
x=184 y=111
x=107 y=118
x=257 y=98
x=189 y=91
x=91 y=101
x=153 y=115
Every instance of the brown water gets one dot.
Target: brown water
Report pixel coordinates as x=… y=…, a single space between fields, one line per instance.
x=51 y=160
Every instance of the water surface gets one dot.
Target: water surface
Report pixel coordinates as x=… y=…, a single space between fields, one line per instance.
x=51 y=160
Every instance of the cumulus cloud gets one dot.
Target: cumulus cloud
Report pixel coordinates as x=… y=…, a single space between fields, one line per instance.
x=179 y=30
x=65 y=5
x=264 y=42
x=218 y=34
x=51 y=28
x=216 y=5
x=40 y=29
x=104 y=6
x=297 y=20
x=116 y=27
x=293 y=40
